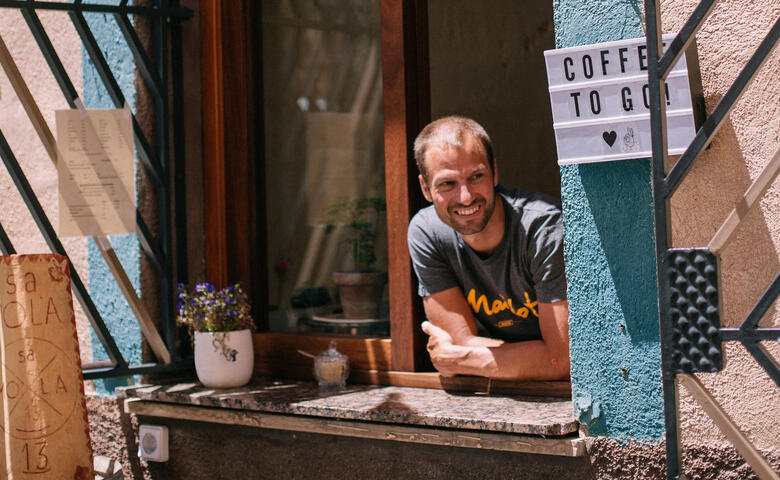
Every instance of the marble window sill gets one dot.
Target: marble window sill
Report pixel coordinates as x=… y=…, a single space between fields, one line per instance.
x=543 y=425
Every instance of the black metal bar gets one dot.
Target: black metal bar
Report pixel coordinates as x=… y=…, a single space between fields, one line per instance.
x=6 y=246
x=141 y=58
x=123 y=9
x=160 y=36
x=140 y=369
x=104 y=71
x=50 y=236
x=764 y=359
x=685 y=36
x=763 y=304
x=660 y=205
x=150 y=247
x=759 y=334
x=713 y=123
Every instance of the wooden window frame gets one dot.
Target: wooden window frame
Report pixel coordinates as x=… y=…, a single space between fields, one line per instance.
x=235 y=229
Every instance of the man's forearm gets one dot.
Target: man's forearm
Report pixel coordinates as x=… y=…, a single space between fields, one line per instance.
x=475 y=341
x=456 y=349
x=531 y=360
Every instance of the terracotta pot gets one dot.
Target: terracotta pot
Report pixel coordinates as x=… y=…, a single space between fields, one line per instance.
x=224 y=359
x=360 y=293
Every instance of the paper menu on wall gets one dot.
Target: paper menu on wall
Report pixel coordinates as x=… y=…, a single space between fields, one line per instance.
x=96 y=172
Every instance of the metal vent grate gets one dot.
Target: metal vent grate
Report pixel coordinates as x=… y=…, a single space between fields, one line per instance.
x=694 y=313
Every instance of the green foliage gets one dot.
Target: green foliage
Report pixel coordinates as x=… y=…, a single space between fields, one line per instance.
x=360 y=216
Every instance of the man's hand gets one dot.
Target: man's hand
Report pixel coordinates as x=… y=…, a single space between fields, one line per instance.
x=450 y=359
x=441 y=348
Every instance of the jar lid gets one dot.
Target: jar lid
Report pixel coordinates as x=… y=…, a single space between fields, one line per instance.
x=331 y=354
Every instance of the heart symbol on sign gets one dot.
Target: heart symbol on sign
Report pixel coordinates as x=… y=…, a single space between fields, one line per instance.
x=609 y=137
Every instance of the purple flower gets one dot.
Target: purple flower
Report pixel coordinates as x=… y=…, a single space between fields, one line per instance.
x=208 y=309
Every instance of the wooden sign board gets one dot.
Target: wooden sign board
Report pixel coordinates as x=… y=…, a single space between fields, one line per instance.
x=44 y=416
x=601 y=106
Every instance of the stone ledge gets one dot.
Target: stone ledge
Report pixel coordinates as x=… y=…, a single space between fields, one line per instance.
x=563 y=446
x=391 y=413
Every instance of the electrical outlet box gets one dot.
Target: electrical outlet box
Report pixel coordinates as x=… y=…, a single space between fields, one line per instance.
x=153 y=443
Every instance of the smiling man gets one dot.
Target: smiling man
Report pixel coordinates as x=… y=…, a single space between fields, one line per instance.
x=489 y=262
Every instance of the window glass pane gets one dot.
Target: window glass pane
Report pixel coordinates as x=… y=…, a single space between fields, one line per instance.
x=323 y=145
x=487 y=63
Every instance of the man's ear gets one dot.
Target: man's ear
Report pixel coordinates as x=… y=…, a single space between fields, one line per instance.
x=495 y=172
x=424 y=187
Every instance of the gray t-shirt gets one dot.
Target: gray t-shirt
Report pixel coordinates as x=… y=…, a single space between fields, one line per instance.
x=503 y=289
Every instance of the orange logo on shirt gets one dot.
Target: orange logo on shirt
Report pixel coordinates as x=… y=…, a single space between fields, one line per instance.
x=501 y=304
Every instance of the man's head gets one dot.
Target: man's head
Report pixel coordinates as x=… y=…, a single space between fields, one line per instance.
x=450 y=132
x=458 y=172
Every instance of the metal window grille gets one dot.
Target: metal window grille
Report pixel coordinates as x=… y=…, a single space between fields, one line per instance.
x=161 y=160
x=691 y=335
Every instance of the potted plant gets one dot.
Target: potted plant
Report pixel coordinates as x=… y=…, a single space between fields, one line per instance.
x=360 y=290
x=220 y=325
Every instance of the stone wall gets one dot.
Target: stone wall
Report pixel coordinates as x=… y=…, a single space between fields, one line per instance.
x=212 y=452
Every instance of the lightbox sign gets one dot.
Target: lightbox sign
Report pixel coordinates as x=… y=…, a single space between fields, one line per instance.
x=601 y=101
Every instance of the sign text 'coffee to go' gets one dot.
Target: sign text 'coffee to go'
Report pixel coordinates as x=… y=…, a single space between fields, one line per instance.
x=601 y=101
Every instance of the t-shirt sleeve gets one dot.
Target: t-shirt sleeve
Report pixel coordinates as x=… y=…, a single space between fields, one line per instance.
x=546 y=254
x=433 y=271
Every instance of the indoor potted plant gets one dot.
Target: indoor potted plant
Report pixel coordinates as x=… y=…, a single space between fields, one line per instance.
x=220 y=324
x=360 y=290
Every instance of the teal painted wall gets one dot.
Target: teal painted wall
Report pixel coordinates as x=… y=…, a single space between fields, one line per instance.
x=104 y=290
x=610 y=262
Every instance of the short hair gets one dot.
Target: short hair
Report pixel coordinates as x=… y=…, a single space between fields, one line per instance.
x=450 y=132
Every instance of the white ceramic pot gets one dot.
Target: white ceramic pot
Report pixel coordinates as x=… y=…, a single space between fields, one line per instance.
x=224 y=364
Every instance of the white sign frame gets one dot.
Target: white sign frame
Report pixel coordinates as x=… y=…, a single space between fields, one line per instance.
x=600 y=105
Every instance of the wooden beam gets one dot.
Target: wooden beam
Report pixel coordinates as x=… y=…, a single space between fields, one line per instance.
x=148 y=329
x=406 y=100
x=367 y=353
x=461 y=383
x=740 y=211
x=227 y=107
x=566 y=446
x=28 y=102
x=726 y=425
x=213 y=141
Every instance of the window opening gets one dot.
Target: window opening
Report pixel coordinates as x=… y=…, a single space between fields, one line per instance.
x=324 y=166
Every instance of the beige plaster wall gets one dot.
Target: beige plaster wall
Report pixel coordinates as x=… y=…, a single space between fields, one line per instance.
x=27 y=147
x=743 y=146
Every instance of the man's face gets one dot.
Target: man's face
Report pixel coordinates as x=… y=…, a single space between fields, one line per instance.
x=461 y=186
